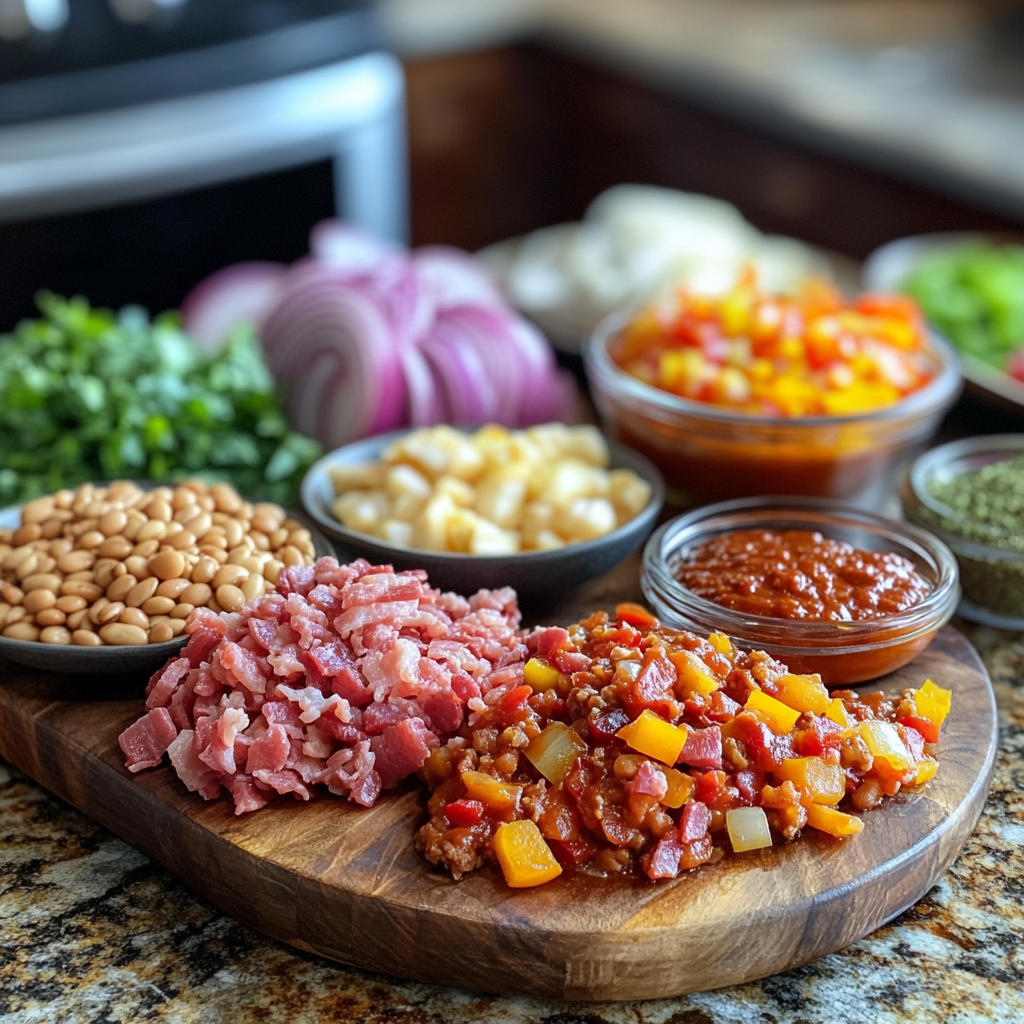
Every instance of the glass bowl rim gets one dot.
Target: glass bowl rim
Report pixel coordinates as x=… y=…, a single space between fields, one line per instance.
x=778 y=634
x=599 y=364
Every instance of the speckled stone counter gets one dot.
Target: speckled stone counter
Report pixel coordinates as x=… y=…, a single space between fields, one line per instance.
x=91 y=932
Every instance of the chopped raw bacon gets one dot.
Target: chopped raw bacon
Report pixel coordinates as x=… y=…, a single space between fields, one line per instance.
x=342 y=680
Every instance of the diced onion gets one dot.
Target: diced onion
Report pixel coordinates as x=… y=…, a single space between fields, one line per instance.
x=748 y=828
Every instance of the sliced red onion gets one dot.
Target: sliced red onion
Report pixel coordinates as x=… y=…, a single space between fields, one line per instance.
x=348 y=248
x=461 y=376
x=241 y=293
x=424 y=407
x=456 y=278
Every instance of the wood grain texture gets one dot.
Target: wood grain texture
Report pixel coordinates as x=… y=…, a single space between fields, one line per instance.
x=347 y=884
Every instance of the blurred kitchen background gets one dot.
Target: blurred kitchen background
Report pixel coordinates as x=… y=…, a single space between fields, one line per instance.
x=145 y=143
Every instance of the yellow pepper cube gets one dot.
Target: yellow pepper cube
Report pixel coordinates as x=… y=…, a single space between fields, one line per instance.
x=837 y=712
x=926 y=770
x=499 y=796
x=692 y=674
x=885 y=745
x=721 y=643
x=933 y=702
x=538 y=674
x=803 y=693
x=654 y=737
x=835 y=823
x=780 y=717
x=680 y=788
x=819 y=781
x=525 y=858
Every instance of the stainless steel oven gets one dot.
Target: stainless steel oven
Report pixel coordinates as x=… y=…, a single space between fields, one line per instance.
x=143 y=143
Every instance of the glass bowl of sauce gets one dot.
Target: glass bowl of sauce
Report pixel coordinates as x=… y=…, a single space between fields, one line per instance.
x=823 y=587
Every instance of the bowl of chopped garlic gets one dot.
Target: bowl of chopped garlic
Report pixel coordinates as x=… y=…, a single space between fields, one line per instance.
x=542 y=509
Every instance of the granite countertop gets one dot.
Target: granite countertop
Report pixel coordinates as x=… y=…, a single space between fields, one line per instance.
x=91 y=932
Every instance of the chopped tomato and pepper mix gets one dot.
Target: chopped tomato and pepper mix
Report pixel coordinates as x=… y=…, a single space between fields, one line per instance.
x=630 y=748
x=816 y=354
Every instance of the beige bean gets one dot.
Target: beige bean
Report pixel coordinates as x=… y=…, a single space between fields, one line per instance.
x=37 y=511
x=76 y=561
x=21 y=631
x=137 y=566
x=110 y=612
x=253 y=587
x=230 y=597
x=215 y=540
x=5 y=609
x=160 y=633
x=236 y=554
x=44 y=563
x=113 y=522
x=55 y=635
x=219 y=555
x=146 y=548
x=135 y=617
x=184 y=497
x=267 y=516
x=69 y=603
x=196 y=595
x=151 y=529
x=27 y=533
x=214 y=605
x=231 y=575
x=199 y=524
x=60 y=546
x=291 y=555
x=38 y=600
x=278 y=538
x=158 y=509
x=76 y=620
x=27 y=566
x=85 y=576
x=181 y=611
x=158 y=605
x=121 y=634
x=183 y=539
x=16 y=614
x=167 y=565
x=116 y=547
x=41 y=581
x=79 y=588
x=90 y=539
x=233 y=532
x=62 y=499
x=142 y=592
x=11 y=594
x=206 y=503
x=95 y=509
x=120 y=569
x=172 y=588
x=251 y=564
x=205 y=569
x=226 y=498
x=272 y=571
x=86 y=638
x=120 y=588
x=177 y=626
x=50 y=617
x=300 y=536
x=97 y=609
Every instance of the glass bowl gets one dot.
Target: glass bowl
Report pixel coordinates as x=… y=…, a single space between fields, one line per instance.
x=991 y=560
x=842 y=653
x=707 y=453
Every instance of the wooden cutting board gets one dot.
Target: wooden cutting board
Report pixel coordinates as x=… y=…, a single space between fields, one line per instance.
x=347 y=883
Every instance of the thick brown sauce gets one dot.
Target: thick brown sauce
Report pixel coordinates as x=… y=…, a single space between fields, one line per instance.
x=799 y=574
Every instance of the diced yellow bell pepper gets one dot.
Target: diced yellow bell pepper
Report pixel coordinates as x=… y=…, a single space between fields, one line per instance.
x=524 y=857
x=680 y=788
x=554 y=751
x=540 y=675
x=933 y=702
x=692 y=673
x=837 y=712
x=926 y=770
x=835 y=823
x=803 y=693
x=721 y=643
x=499 y=796
x=654 y=737
x=819 y=781
x=779 y=717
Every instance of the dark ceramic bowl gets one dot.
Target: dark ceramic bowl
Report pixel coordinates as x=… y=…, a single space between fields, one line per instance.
x=541 y=577
x=75 y=660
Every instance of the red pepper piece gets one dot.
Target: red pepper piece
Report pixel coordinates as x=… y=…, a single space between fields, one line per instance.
x=914 y=740
x=570 y=852
x=652 y=689
x=766 y=749
x=711 y=787
x=635 y=615
x=822 y=734
x=703 y=748
x=464 y=813
x=515 y=699
x=605 y=724
x=722 y=708
x=928 y=729
x=626 y=636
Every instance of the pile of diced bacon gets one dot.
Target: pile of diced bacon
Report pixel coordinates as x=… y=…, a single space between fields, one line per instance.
x=344 y=678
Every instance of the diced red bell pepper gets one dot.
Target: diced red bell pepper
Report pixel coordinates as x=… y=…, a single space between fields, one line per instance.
x=694 y=822
x=703 y=748
x=765 y=748
x=722 y=708
x=823 y=734
x=711 y=787
x=635 y=615
x=928 y=729
x=914 y=740
x=625 y=636
x=512 y=701
x=464 y=813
